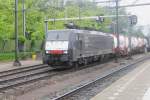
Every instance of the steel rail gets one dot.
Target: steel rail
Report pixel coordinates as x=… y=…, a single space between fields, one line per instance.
x=13 y=85
x=20 y=68
x=23 y=71
x=15 y=69
x=106 y=74
x=24 y=76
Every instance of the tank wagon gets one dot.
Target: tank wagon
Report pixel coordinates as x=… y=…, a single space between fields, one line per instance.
x=138 y=45
x=147 y=40
x=72 y=46
x=124 y=45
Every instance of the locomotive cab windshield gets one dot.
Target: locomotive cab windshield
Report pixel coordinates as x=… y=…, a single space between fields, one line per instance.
x=57 y=42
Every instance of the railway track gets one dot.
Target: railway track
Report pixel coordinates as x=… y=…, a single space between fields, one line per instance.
x=17 y=70
x=20 y=76
x=106 y=74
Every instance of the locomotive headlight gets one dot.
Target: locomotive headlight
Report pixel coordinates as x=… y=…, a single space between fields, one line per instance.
x=65 y=51
x=47 y=51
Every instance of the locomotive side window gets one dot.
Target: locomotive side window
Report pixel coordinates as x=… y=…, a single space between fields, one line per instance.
x=78 y=42
x=56 y=35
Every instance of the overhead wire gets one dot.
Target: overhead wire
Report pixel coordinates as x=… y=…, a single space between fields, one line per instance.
x=134 y=2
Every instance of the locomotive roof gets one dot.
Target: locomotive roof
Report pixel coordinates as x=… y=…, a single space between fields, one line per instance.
x=81 y=31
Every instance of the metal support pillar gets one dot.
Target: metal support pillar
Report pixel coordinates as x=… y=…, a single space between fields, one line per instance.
x=130 y=32
x=79 y=5
x=23 y=18
x=46 y=27
x=16 y=62
x=23 y=21
x=117 y=31
x=117 y=24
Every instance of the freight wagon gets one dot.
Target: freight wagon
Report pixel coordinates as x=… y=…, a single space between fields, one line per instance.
x=74 y=47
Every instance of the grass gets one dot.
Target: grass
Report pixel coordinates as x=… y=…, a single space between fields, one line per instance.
x=11 y=56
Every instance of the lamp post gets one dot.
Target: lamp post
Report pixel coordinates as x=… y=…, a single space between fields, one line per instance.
x=117 y=24
x=117 y=31
x=23 y=18
x=16 y=62
x=132 y=21
x=23 y=22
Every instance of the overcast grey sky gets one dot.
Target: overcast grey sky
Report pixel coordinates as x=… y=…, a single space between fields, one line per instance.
x=142 y=12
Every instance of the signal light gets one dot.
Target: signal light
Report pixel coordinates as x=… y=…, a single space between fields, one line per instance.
x=100 y=19
x=133 y=20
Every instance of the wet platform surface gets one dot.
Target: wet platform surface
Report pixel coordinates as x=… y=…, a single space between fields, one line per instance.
x=133 y=86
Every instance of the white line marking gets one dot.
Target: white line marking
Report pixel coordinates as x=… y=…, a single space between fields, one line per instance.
x=147 y=95
x=111 y=98
x=133 y=78
x=116 y=94
x=119 y=90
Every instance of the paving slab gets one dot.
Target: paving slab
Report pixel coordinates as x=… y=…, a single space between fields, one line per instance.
x=133 y=86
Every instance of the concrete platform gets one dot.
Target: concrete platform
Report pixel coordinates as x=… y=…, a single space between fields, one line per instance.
x=9 y=65
x=133 y=86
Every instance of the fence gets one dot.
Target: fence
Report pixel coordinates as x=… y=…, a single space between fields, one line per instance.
x=7 y=49
x=9 y=46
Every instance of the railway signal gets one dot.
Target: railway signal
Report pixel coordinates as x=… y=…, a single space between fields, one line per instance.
x=100 y=19
x=133 y=20
x=117 y=29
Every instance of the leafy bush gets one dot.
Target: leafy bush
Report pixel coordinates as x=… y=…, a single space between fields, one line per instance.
x=25 y=55
x=11 y=56
x=7 y=56
x=21 y=39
